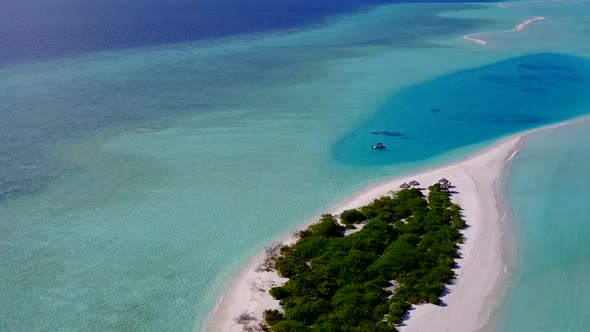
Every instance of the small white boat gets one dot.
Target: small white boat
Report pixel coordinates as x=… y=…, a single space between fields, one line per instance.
x=379 y=146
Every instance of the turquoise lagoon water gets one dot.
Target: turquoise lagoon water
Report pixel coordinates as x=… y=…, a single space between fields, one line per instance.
x=135 y=183
x=547 y=190
x=472 y=106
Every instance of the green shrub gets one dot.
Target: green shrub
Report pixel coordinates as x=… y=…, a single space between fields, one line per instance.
x=327 y=226
x=336 y=283
x=352 y=216
x=397 y=310
x=289 y=326
x=279 y=293
x=272 y=317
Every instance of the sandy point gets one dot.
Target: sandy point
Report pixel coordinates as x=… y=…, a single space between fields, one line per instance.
x=482 y=269
x=480 y=266
x=519 y=27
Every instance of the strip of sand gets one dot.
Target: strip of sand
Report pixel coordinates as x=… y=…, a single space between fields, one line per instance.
x=481 y=269
x=519 y=27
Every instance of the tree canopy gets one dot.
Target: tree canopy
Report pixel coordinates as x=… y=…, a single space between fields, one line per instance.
x=345 y=283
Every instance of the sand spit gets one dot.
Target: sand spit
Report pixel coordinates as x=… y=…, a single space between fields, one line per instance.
x=520 y=27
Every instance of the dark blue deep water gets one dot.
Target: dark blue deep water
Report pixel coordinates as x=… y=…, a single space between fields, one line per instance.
x=471 y=107
x=38 y=29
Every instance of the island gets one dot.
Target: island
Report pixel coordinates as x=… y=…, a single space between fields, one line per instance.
x=395 y=255
x=363 y=270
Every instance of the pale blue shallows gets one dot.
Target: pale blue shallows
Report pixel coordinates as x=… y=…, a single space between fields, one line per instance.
x=548 y=191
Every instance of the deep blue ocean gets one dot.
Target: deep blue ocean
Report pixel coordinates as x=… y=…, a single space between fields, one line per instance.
x=36 y=30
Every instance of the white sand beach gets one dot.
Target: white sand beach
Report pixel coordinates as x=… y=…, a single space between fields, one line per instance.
x=481 y=269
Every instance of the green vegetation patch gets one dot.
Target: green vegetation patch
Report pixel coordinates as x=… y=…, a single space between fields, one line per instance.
x=367 y=281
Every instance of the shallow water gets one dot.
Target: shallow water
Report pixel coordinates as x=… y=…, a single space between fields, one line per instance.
x=547 y=190
x=134 y=183
x=468 y=107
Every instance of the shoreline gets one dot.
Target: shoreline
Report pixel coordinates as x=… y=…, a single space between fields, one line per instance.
x=484 y=266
